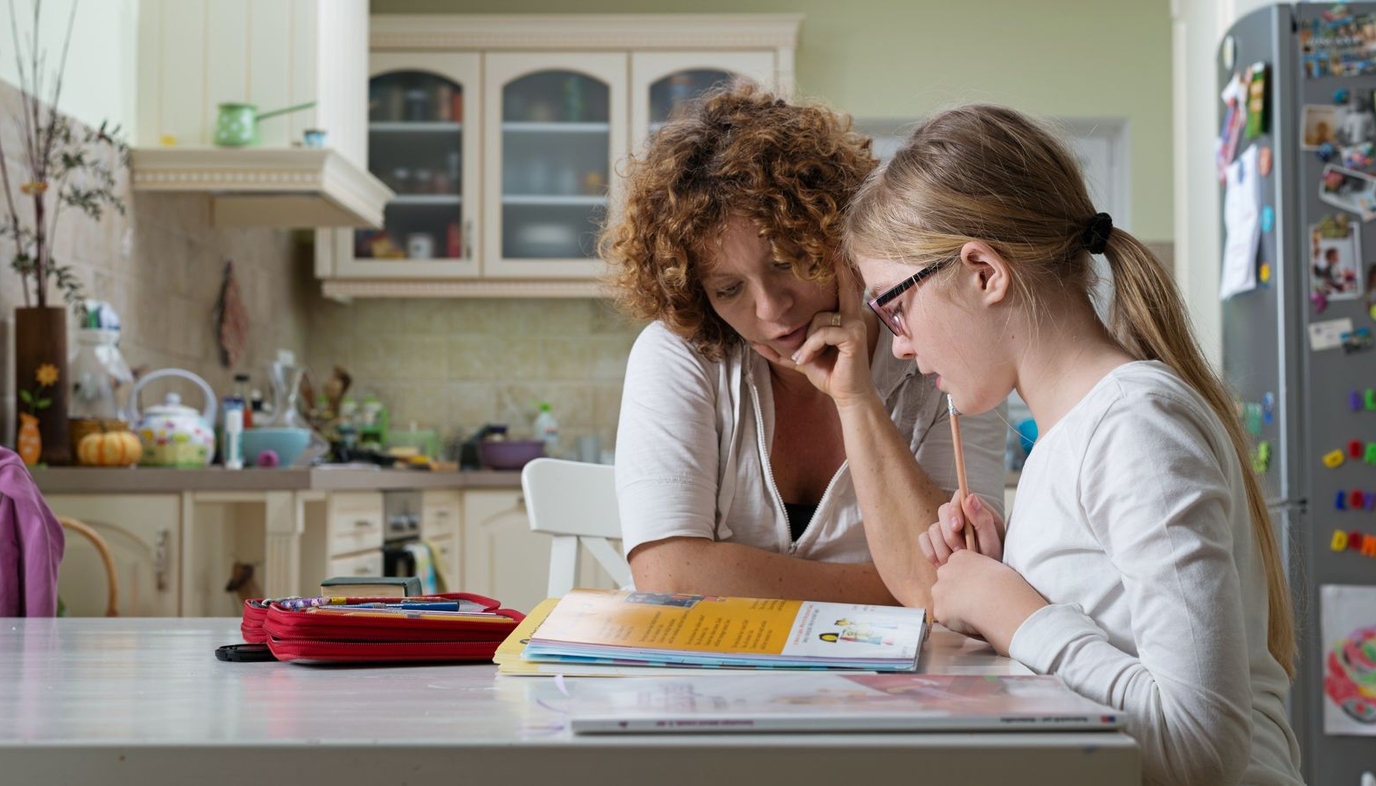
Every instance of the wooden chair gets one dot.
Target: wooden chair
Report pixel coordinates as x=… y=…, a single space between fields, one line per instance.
x=575 y=502
x=103 y=549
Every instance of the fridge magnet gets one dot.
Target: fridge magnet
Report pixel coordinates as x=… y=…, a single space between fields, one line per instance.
x=1347 y=631
x=1234 y=96
x=1358 y=121
x=1264 y=161
x=1357 y=340
x=1229 y=51
x=1268 y=218
x=1349 y=189
x=1335 y=270
x=1320 y=123
x=1359 y=156
x=1371 y=291
x=1337 y=44
x=1328 y=334
x=1256 y=101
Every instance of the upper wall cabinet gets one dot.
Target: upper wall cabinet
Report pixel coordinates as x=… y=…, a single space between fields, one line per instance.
x=502 y=137
x=214 y=77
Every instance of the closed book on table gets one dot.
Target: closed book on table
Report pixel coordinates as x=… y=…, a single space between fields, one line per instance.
x=608 y=626
x=834 y=702
x=371 y=586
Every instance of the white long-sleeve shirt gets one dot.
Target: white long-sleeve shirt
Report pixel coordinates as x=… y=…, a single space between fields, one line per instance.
x=1131 y=519
x=692 y=450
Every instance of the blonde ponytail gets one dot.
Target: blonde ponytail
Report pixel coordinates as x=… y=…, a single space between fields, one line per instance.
x=1148 y=318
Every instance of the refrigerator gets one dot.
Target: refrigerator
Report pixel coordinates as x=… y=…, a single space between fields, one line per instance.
x=1297 y=343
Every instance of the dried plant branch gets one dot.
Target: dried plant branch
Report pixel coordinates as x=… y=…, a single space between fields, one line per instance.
x=74 y=168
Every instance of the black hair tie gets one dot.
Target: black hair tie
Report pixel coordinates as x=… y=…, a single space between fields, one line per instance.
x=1095 y=236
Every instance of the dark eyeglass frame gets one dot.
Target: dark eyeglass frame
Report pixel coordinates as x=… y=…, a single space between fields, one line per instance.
x=880 y=303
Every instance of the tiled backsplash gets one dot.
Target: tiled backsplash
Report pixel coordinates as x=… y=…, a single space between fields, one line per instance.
x=160 y=266
x=456 y=365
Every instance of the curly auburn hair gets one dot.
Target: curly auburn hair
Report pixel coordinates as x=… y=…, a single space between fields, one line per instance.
x=738 y=151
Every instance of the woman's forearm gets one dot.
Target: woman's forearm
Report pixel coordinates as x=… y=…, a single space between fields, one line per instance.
x=897 y=499
x=704 y=567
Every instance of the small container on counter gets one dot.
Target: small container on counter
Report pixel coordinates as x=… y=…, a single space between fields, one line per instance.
x=233 y=433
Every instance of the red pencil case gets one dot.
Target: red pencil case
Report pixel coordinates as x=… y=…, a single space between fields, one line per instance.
x=367 y=637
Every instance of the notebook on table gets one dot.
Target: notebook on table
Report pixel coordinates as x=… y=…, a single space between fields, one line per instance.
x=834 y=702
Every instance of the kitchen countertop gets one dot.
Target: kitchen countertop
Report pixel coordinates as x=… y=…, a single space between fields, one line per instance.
x=153 y=480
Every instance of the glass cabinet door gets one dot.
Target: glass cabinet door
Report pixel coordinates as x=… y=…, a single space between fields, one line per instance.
x=663 y=83
x=420 y=146
x=554 y=130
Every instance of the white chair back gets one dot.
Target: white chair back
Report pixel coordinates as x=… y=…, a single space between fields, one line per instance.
x=575 y=502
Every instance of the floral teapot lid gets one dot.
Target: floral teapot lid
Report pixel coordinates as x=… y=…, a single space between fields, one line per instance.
x=172 y=407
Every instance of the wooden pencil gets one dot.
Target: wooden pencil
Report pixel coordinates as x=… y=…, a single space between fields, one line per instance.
x=960 y=471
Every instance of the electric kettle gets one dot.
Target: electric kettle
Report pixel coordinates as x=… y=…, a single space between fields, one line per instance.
x=174 y=435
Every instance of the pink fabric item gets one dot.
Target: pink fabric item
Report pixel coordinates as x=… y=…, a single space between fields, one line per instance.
x=31 y=543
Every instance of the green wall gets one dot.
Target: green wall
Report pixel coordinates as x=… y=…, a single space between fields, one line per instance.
x=896 y=59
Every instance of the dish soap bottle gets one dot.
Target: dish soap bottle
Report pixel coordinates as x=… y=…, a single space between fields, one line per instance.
x=547 y=429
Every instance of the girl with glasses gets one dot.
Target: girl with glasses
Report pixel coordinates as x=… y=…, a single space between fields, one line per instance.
x=1139 y=563
x=731 y=467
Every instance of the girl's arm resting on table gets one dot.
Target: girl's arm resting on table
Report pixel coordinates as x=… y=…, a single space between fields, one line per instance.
x=704 y=567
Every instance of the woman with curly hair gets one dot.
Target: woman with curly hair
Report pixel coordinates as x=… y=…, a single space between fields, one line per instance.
x=732 y=468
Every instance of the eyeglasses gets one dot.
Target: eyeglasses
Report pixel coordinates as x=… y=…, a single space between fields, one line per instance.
x=880 y=305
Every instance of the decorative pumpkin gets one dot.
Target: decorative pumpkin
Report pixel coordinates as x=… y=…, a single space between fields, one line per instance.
x=110 y=449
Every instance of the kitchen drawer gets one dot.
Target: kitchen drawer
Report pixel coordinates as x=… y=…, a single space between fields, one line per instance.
x=440 y=514
x=354 y=523
x=368 y=563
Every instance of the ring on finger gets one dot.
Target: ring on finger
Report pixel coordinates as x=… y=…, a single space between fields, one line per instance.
x=836 y=320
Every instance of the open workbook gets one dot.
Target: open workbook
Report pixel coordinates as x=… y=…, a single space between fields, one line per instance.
x=833 y=702
x=626 y=627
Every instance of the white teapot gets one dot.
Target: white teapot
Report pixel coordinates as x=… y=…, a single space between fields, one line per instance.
x=174 y=435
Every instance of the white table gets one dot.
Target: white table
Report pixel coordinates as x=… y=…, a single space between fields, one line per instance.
x=144 y=701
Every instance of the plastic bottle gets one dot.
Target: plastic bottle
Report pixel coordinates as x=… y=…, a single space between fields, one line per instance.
x=234 y=431
x=547 y=429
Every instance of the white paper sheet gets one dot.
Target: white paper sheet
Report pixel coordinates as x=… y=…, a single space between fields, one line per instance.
x=1242 y=223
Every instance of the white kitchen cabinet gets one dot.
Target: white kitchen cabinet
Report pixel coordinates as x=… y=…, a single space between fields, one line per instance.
x=555 y=124
x=143 y=533
x=562 y=102
x=423 y=147
x=503 y=559
x=663 y=82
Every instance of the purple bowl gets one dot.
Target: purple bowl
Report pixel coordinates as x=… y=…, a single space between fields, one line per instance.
x=510 y=453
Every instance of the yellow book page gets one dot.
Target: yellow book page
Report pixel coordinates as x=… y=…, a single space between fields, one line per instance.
x=650 y=620
x=510 y=650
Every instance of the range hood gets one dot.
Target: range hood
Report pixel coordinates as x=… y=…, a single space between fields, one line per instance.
x=308 y=57
x=256 y=186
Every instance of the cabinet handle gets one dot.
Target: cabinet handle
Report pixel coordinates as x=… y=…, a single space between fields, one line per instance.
x=363 y=523
x=468 y=238
x=160 y=560
x=363 y=570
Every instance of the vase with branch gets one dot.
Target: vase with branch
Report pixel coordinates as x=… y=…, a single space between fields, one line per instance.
x=60 y=166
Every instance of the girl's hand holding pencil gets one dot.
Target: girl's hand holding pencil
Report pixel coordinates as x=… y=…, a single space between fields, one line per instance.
x=965 y=522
